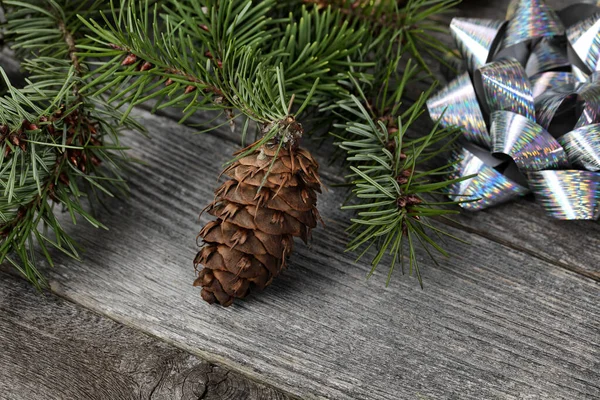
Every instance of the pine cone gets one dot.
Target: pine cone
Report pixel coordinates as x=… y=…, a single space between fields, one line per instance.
x=248 y=244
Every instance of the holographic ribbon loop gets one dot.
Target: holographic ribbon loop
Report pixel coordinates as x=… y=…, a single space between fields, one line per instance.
x=547 y=55
x=589 y=94
x=488 y=187
x=527 y=143
x=558 y=101
x=580 y=75
x=476 y=39
x=568 y=194
x=531 y=19
x=546 y=81
x=583 y=147
x=457 y=105
x=506 y=88
x=585 y=41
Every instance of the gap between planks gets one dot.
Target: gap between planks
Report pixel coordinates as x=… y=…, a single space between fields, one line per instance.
x=459 y=222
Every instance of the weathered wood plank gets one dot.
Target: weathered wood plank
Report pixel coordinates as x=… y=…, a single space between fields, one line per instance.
x=492 y=322
x=53 y=349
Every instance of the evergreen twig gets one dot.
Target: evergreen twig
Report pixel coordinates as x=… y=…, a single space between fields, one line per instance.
x=58 y=147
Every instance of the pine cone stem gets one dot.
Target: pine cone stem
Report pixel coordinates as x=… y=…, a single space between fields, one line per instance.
x=270 y=198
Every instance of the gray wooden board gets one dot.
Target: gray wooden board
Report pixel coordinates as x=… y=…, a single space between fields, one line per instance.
x=492 y=322
x=497 y=320
x=53 y=349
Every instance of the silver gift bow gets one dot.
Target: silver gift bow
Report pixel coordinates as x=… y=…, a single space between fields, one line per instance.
x=528 y=106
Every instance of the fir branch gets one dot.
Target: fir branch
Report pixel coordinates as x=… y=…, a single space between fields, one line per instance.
x=200 y=65
x=49 y=155
x=413 y=25
x=394 y=191
x=72 y=50
x=59 y=147
x=160 y=67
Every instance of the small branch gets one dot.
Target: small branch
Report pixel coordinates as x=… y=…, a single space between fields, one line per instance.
x=192 y=79
x=72 y=49
x=220 y=98
x=70 y=41
x=132 y=58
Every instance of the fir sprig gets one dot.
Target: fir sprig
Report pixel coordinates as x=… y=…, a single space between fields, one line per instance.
x=395 y=191
x=412 y=25
x=59 y=149
x=396 y=185
x=195 y=63
x=56 y=155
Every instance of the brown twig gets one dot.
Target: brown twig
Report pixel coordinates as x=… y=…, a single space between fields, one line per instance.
x=70 y=41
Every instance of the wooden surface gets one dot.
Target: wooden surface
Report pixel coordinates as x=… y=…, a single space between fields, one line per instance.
x=52 y=349
x=512 y=315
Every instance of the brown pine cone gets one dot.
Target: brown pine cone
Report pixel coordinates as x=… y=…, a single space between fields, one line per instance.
x=248 y=244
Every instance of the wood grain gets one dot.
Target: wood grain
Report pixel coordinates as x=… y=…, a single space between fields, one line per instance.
x=492 y=322
x=52 y=349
